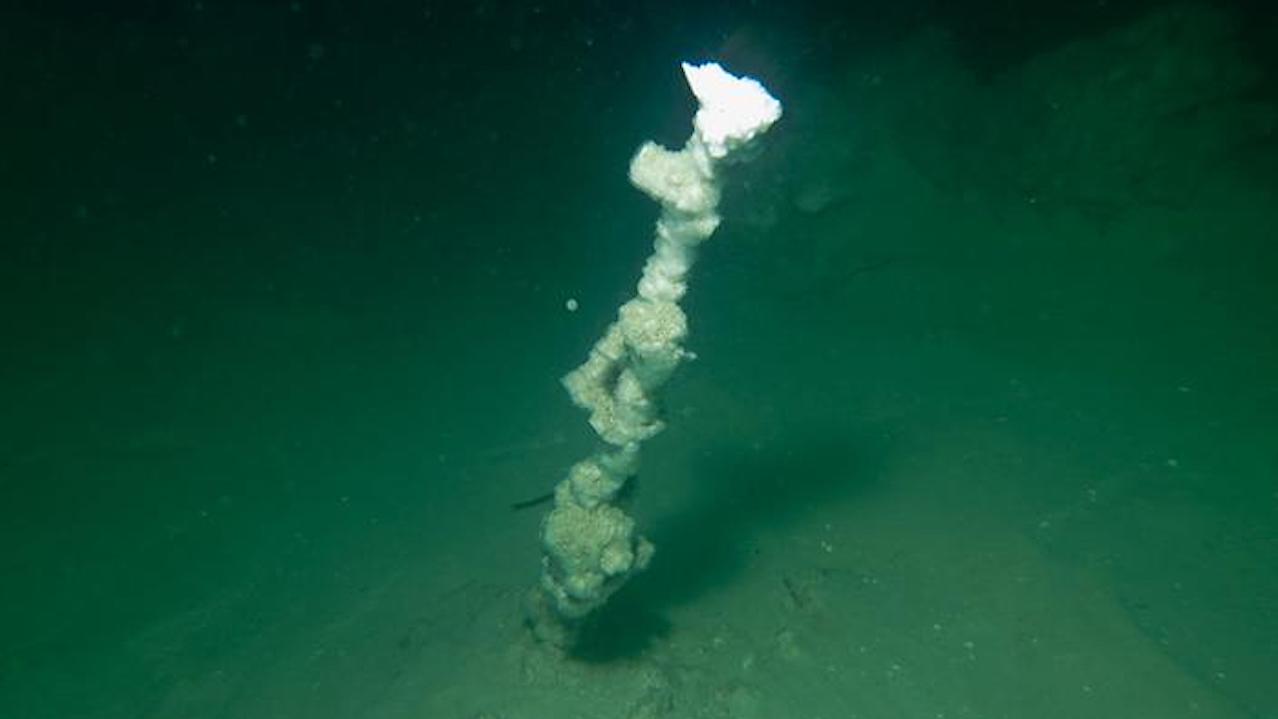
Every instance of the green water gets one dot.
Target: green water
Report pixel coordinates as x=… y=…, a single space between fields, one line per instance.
x=984 y=420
